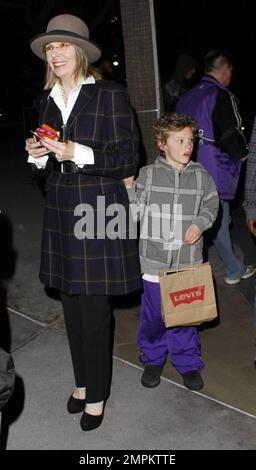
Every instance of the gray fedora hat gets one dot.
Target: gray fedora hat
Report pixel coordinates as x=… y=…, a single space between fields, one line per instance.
x=68 y=28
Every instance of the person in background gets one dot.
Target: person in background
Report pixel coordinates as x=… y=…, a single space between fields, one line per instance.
x=179 y=82
x=182 y=195
x=7 y=379
x=107 y=69
x=87 y=251
x=221 y=149
x=249 y=203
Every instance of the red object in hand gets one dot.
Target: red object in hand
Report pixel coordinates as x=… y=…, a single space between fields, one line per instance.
x=47 y=131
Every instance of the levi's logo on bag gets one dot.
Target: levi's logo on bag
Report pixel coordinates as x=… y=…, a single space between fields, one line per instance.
x=187 y=296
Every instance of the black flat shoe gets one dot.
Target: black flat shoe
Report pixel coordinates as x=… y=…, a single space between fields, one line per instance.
x=75 y=405
x=90 y=422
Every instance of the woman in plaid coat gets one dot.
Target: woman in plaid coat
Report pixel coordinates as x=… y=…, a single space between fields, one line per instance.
x=87 y=250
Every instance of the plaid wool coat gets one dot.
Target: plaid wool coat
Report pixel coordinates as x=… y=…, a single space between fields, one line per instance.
x=250 y=178
x=86 y=244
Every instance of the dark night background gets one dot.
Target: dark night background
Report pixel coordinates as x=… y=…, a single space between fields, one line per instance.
x=191 y=27
x=195 y=27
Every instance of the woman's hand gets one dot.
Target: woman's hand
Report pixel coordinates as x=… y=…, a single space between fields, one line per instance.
x=192 y=234
x=251 y=223
x=63 y=150
x=35 y=148
x=128 y=181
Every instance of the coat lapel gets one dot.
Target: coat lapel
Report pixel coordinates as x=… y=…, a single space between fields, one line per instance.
x=53 y=115
x=87 y=92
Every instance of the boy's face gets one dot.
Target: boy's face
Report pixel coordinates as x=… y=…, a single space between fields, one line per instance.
x=178 y=147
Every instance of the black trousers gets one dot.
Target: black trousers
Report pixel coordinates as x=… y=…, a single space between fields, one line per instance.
x=88 y=325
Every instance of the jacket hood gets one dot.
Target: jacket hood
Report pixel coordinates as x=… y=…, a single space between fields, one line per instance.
x=191 y=166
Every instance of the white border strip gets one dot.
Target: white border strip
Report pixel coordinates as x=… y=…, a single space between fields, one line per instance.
x=184 y=388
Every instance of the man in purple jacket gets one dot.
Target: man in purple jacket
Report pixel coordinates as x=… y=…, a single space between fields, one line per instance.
x=221 y=148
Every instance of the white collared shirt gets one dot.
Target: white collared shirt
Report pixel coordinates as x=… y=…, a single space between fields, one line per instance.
x=83 y=155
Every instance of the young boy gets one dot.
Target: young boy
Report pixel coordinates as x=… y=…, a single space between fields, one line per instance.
x=177 y=201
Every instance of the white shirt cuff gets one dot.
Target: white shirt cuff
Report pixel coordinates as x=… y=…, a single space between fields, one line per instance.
x=40 y=162
x=83 y=155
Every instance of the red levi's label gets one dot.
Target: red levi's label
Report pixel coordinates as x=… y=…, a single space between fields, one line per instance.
x=187 y=296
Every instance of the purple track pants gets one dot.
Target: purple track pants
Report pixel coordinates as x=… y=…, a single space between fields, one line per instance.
x=155 y=340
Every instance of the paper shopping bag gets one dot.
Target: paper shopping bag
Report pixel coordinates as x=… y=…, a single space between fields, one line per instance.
x=187 y=296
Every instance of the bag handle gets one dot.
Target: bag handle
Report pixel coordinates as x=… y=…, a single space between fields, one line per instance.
x=178 y=256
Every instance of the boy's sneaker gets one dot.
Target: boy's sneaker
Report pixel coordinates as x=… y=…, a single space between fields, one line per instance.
x=151 y=376
x=250 y=271
x=193 y=380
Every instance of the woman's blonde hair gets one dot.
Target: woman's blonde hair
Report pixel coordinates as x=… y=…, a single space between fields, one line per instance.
x=84 y=70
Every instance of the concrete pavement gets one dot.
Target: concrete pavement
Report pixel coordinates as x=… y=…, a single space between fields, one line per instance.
x=168 y=417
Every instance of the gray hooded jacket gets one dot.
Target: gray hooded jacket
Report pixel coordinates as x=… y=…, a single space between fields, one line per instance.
x=167 y=201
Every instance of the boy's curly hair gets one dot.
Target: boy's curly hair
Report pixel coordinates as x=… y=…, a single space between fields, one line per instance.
x=172 y=122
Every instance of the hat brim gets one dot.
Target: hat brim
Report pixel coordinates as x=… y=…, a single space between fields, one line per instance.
x=38 y=43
